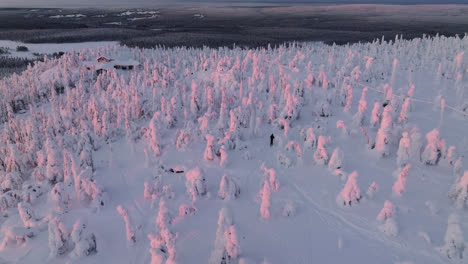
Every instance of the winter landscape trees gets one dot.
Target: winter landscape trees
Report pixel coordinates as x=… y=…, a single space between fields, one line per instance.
x=169 y=145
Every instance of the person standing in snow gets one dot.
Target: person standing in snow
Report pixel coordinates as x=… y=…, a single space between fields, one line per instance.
x=272 y=138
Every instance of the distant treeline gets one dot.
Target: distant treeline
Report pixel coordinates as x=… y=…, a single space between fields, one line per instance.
x=75 y=35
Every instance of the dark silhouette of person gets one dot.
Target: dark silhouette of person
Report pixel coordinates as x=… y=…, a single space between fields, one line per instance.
x=272 y=137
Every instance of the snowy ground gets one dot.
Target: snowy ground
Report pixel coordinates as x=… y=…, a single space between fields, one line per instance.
x=49 y=48
x=215 y=110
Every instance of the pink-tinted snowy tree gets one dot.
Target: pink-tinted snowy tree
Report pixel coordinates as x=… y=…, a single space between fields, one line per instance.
x=320 y=155
x=459 y=191
x=433 y=151
x=404 y=150
x=195 y=183
x=350 y=192
x=129 y=229
x=400 y=184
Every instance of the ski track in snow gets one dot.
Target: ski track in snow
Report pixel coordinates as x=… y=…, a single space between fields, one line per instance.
x=334 y=219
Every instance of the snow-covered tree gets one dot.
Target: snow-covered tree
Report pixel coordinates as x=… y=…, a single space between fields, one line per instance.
x=451 y=155
x=83 y=239
x=405 y=108
x=210 y=153
x=294 y=146
x=183 y=139
x=61 y=196
x=384 y=136
x=320 y=155
x=358 y=118
x=54 y=171
x=400 y=184
x=58 y=237
x=387 y=211
x=195 y=183
x=459 y=191
x=373 y=188
x=289 y=209
x=228 y=188
x=454 y=242
x=163 y=242
x=265 y=195
x=375 y=115
x=311 y=139
x=270 y=176
x=129 y=228
x=350 y=192
x=27 y=215
x=433 y=151
x=404 y=150
x=226 y=248
x=457 y=167
x=336 y=160
x=223 y=156
x=154 y=134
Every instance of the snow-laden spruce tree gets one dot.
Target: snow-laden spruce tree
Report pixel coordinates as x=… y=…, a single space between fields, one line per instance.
x=210 y=152
x=60 y=194
x=387 y=211
x=269 y=175
x=400 y=184
x=358 y=118
x=344 y=129
x=226 y=248
x=405 y=108
x=349 y=98
x=228 y=188
x=54 y=170
x=458 y=167
x=375 y=115
x=372 y=190
x=163 y=242
x=195 y=183
x=86 y=148
x=58 y=237
x=404 y=150
x=129 y=228
x=320 y=155
x=386 y=217
x=433 y=150
x=454 y=242
x=384 y=133
x=451 y=156
x=154 y=134
x=84 y=241
x=289 y=209
x=27 y=214
x=183 y=140
x=336 y=160
x=89 y=192
x=416 y=143
x=350 y=191
x=310 y=139
x=265 y=195
x=459 y=191
x=223 y=156
x=294 y=146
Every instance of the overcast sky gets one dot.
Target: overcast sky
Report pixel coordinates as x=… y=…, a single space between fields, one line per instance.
x=148 y=3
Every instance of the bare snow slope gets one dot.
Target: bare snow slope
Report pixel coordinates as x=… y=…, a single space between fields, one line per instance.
x=128 y=166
